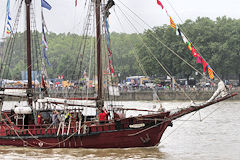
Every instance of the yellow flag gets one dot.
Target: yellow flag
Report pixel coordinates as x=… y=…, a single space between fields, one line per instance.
x=189 y=46
x=172 y=24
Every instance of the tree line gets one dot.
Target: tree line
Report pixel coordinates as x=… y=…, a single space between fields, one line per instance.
x=216 y=40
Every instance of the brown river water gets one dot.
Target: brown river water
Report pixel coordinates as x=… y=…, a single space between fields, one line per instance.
x=216 y=137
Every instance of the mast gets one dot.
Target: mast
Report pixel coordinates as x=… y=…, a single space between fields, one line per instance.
x=29 y=67
x=99 y=57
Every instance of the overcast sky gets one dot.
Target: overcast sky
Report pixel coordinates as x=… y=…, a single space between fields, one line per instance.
x=64 y=17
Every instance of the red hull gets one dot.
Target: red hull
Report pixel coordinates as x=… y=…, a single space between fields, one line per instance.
x=98 y=136
x=141 y=131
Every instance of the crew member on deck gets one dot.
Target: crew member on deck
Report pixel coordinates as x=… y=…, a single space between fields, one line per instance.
x=40 y=119
x=103 y=117
x=115 y=116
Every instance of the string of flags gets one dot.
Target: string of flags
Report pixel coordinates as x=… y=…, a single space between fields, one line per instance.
x=108 y=48
x=199 y=59
x=44 y=4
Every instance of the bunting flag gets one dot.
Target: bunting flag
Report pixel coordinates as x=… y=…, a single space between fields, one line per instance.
x=9 y=17
x=189 y=46
x=194 y=52
x=204 y=64
x=44 y=40
x=172 y=24
x=108 y=34
x=8 y=31
x=45 y=55
x=8 y=10
x=108 y=38
x=178 y=31
x=111 y=66
x=75 y=3
x=44 y=4
x=185 y=40
x=45 y=45
x=109 y=51
x=199 y=59
x=160 y=4
x=9 y=27
x=210 y=72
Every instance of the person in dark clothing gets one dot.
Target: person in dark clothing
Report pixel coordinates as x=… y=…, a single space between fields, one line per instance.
x=115 y=116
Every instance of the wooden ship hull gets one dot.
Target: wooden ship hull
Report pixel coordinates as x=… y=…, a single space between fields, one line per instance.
x=140 y=131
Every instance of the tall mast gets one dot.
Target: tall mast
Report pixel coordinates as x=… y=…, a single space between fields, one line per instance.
x=29 y=67
x=99 y=57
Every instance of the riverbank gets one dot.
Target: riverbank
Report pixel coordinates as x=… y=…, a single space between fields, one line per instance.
x=149 y=95
x=166 y=95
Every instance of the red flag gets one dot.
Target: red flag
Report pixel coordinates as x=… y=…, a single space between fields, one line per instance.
x=109 y=51
x=75 y=3
x=44 y=86
x=194 y=52
x=61 y=76
x=172 y=24
x=204 y=64
x=160 y=4
x=43 y=82
x=199 y=59
x=110 y=66
x=210 y=72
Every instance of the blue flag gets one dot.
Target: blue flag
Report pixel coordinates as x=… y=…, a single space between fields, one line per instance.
x=45 y=55
x=44 y=40
x=10 y=27
x=8 y=10
x=44 y=4
x=108 y=34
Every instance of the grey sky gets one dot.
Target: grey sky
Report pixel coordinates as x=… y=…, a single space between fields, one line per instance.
x=64 y=17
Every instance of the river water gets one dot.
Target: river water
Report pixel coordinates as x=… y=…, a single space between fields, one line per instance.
x=215 y=137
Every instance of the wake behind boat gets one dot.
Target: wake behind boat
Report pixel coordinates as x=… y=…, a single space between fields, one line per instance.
x=60 y=122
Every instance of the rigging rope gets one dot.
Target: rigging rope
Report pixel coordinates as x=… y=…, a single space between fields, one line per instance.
x=189 y=39
x=150 y=52
x=166 y=45
x=6 y=57
x=177 y=127
x=34 y=137
x=135 y=54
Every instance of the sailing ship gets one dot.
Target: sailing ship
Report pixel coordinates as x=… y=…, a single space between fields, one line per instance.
x=26 y=128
